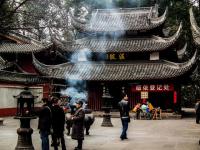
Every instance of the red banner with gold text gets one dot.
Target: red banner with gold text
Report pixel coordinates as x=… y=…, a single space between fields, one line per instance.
x=152 y=87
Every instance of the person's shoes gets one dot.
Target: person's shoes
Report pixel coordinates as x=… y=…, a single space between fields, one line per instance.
x=126 y=138
x=122 y=138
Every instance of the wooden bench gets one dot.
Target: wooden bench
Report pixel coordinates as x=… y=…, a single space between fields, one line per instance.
x=1 y=121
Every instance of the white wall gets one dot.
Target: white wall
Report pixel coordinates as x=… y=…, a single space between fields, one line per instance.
x=7 y=92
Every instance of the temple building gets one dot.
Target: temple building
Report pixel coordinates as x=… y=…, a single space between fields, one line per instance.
x=17 y=70
x=126 y=51
x=122 y=49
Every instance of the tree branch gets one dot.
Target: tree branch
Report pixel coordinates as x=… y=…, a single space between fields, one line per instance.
x=13 y=11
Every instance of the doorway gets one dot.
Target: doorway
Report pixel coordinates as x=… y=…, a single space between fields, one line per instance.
x=164 y=100
x=115 y=92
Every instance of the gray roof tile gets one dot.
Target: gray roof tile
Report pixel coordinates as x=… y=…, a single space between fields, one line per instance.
x=7 y=76
x=95 y=71
x=110 y=20
x=26 y=45
x=121 y=45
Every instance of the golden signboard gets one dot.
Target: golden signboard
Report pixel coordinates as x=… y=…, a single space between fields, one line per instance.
x=116 y=56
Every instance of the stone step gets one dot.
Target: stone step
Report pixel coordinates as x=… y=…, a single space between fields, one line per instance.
x=165 y=115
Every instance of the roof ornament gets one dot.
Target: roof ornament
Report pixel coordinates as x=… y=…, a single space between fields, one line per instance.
x=181 y=52
x=195 y=28
x=156 y=9
x=150 y=15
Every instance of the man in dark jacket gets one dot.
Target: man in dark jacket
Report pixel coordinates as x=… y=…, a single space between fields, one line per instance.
x=197 y=109
x=78 y=125
x=124 y=109
x=58 y=124
x=44 y=124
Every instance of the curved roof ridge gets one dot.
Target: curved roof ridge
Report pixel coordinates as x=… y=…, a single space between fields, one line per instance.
x=155 y=43
x=24 y=38
x=24 y=45
x=162 y=18
x=176 y=35
x=9 y=76
x=4 y=64
x=193 y=21
x=182 y=51
x=186 y=64
x=22 y=48
x=116 y=71
x=134 y=8
x=190 y=62
x=35 y=60
x=194 y=27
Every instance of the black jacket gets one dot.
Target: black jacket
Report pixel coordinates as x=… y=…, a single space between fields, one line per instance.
x=44 y=122
x=58 y=120
x=124 y=108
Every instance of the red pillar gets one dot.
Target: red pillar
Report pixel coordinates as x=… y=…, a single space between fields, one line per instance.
x=175 y=97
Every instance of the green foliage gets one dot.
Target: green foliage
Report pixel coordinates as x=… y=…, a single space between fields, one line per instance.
x=6 y=20
x=179 y=12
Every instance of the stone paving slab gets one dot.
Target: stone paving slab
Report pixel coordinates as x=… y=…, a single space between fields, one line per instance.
x=180 y=134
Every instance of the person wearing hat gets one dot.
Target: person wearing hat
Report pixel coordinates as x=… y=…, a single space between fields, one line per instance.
x=78 y=125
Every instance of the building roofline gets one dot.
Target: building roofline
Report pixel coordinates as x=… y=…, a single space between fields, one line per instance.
x=116 y=71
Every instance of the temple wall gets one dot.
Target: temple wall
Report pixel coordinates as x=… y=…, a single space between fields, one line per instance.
x=8 y=104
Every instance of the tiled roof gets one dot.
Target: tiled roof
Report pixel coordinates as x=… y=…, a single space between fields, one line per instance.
x=126 y=19
x=22 y=48
x=194 y=27
x=95 y=71
x=24 y=44
x=121 y=45
x=7 y=76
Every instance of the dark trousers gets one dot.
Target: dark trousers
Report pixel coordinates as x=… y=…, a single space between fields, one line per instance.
x=124 y=128
x=56 y=138
x=80 y=143
x=44 y=135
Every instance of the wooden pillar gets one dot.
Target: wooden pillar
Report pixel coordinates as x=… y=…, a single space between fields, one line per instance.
x=95 y=97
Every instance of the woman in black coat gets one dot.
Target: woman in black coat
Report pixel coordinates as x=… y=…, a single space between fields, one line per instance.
x=78 y=125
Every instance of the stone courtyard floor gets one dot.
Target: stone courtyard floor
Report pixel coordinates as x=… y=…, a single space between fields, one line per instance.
x=182 y=134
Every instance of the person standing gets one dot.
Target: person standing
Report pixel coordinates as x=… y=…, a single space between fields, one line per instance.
x=197 y=110
x=124 y=109
x=78 y=125
x=58 y=124
x=44 y=124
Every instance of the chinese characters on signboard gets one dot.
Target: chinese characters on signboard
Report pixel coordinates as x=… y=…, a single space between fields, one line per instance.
x=144 y=95
x=114 y=56
x=153 y=87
